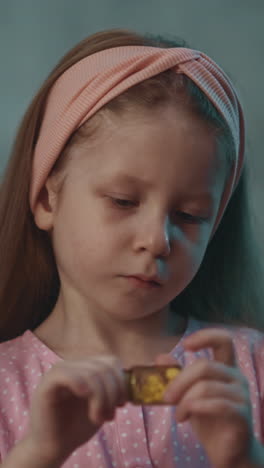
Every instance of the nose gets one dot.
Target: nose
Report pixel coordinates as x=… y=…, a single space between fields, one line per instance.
x=155 y=236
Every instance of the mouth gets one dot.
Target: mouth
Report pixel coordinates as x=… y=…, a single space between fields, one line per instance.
x=138 y=281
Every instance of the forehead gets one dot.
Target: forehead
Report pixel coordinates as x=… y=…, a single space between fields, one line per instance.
x=171 y=145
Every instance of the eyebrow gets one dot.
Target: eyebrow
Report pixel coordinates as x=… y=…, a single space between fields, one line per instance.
x=132 y=180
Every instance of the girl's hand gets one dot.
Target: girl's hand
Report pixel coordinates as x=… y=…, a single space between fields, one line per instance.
x=214 y=397
x=72 y=401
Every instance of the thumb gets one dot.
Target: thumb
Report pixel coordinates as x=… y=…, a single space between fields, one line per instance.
x=165 y=359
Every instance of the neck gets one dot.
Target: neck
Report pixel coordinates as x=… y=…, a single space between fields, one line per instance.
x=135 y=342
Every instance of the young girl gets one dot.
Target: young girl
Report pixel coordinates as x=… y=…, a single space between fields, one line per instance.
x=126 y=239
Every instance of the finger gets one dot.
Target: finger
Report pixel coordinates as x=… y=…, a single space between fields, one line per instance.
x=98 y=401
x=122 y=393
x=107 y=393
x=62 y=382
x=109 y=376
x=215 y=407
x=100 y=365
x=113 y=393
x=202 y=369
x=85 y=383
x=210 y=390
x=165 y=359
x=115 y=365
x=217 y=339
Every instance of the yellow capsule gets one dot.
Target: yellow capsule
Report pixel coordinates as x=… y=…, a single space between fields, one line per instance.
x=146 y=384
x=172 y=372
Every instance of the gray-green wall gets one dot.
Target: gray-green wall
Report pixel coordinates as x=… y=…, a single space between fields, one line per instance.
x=34 y=34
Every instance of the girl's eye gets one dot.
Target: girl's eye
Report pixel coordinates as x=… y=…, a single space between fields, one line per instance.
x=190 y=218
x=123 y=203
x=186 y=217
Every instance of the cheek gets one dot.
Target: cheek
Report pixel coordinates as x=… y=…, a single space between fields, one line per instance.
x=198 y=249
x=81 y=242
x=187 y=259
x=186 y=265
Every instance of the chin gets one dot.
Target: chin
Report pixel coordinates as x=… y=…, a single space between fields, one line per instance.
x=129 y=312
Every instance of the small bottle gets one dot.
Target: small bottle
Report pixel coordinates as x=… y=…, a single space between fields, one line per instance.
x=146 y=384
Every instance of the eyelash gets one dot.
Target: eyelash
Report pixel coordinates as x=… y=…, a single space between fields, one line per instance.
x=187 y=217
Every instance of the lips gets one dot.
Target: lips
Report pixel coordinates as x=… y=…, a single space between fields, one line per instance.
x=149 y=279
x=138 y=282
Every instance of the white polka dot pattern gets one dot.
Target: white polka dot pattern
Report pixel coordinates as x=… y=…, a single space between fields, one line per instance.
x=139 y=436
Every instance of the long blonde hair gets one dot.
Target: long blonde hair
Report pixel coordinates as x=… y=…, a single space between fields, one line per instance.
x=228 y=286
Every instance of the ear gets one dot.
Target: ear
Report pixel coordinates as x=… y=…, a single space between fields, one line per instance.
x=45 y=206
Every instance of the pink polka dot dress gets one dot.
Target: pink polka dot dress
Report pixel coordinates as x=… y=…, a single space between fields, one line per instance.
x=139 y=436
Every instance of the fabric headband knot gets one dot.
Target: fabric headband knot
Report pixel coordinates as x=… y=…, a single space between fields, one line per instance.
x=95 y=80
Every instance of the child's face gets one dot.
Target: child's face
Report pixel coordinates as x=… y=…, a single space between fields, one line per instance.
x=172 y=158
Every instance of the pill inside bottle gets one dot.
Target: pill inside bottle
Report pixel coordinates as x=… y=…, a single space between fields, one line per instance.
x=147 y=384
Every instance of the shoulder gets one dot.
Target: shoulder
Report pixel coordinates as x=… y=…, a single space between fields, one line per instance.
x=247 y=339
x=15 y=350
x=15 y=368
x=21 y=367
x=249 y=348
x=16 y=389
x=22 y=360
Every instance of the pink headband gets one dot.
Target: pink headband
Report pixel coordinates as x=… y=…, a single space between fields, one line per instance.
x=95 y=80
